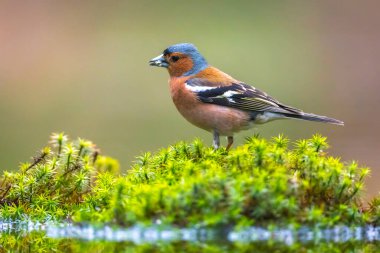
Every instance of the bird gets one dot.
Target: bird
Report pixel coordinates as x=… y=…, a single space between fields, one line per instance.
x=215 y=101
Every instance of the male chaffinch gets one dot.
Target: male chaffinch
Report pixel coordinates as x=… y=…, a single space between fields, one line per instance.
x=215 y=101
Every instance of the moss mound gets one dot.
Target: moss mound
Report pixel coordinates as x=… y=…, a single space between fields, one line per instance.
x=259 y=183
x=55 y=184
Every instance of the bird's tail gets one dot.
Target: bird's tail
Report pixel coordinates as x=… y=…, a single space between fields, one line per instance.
x=313 y=117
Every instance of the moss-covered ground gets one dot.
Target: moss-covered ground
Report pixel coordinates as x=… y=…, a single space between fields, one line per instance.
x=262 y=182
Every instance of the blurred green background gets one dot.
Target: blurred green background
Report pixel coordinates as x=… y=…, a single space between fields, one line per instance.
x=82 y=67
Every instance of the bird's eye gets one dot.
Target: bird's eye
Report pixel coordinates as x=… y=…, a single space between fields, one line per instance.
x=174 y=58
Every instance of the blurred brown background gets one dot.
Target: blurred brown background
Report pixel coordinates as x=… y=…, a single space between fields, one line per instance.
x=81 y=67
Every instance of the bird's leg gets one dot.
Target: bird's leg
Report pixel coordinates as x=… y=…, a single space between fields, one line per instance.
x=216 y=141
x=230 y=140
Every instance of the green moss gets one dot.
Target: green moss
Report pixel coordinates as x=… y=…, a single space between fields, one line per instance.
x=54 y=185
x=259 y=183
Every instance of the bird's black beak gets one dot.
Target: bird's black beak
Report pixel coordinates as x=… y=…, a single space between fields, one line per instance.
x=159 y=61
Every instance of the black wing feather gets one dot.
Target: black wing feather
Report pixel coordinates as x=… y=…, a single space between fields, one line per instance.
x=238 y=95
x=246 y=97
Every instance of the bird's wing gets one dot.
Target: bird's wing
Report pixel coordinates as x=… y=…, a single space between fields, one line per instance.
x=237 y=95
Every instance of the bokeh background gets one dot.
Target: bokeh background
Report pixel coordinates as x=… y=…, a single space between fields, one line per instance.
x=81 y=67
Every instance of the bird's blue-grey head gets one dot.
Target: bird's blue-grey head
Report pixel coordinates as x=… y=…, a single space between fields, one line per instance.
x=181 y=59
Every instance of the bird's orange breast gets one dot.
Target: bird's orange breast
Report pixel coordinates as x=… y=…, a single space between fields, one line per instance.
x=209 y=117
x=182 y=97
